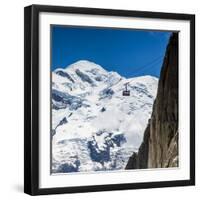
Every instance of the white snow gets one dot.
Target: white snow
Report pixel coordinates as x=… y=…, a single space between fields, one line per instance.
x=102 y=108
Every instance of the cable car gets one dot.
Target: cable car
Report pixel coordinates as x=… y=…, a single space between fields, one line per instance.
x=126 y=92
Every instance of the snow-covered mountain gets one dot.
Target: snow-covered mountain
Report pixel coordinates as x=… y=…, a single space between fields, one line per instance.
x=94 y=126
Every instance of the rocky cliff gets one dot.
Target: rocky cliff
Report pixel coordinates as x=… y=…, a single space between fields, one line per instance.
x=159 y=148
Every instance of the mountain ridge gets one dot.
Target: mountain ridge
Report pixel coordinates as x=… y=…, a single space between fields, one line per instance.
x=103 y=123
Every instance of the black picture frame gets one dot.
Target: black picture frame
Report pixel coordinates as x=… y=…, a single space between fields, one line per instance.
x=31 y=98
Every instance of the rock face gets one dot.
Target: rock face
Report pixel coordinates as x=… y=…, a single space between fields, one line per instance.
x=159 y=148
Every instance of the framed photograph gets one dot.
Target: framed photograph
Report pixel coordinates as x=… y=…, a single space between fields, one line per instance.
x=109 y=100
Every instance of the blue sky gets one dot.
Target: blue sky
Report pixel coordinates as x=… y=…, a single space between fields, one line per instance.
x=129 y=52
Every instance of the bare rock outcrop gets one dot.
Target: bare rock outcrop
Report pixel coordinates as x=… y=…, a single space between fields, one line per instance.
x=159 y=148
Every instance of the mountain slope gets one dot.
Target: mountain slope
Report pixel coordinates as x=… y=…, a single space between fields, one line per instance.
x=94 y=127
x=159 y=148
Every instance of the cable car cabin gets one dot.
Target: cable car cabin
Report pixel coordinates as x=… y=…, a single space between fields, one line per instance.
x=126 y=92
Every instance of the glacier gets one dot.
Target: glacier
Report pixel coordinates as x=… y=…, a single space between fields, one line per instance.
x=94 y=127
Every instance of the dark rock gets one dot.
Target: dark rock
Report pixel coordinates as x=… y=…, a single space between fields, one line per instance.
x=132 y=162
x=106 y=93
x=103 y=109
x=103 y=155
x=98 y=78
x=63 y=100
x=63 y=121
x=142 y=90
x=159 y=148
x=84 y=77
x=53 y=132
x=119 y=139
x=66 y=168
x=65 y=74
x=96 y=154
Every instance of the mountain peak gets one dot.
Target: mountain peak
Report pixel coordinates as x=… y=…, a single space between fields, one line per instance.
x=83 y=62
x=85 y=65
